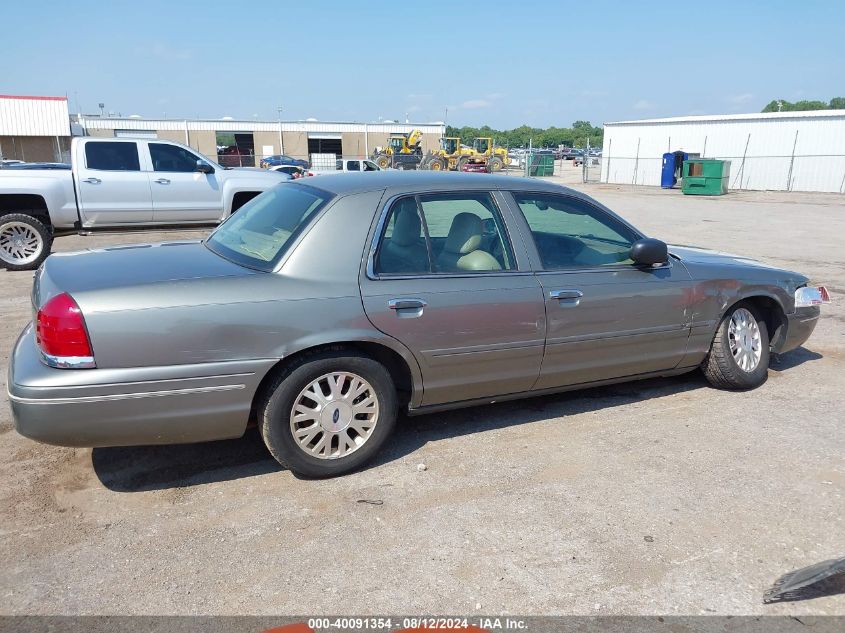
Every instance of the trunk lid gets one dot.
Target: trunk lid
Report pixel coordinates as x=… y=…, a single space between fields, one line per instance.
x=129 y=266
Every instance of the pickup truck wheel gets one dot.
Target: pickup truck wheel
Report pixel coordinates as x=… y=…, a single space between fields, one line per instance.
x=24 y=242
x=329 y=413
x=739 y=355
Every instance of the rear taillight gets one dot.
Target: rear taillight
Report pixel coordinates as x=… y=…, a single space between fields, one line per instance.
x=61 y=334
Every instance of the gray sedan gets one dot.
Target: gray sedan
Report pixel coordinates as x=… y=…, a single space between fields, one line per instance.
x=323 y=307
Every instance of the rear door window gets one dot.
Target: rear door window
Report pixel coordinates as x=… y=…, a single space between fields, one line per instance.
x=108 y=156
x=444 y=233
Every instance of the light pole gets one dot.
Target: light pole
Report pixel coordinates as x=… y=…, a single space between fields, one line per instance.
x=281 y=138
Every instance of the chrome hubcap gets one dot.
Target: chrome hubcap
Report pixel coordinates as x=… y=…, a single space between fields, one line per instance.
x=744 y=340
x=334 y=415
x=19 y=243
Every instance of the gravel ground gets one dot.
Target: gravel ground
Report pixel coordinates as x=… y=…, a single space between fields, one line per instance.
x=661 y=496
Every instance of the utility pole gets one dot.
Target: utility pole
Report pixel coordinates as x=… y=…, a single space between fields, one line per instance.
x=281 y=138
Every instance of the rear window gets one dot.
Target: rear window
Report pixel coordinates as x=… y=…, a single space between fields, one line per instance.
x=109 y=156
x=258 y=233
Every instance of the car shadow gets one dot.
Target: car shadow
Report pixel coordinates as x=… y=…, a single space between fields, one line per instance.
x=798 y=356
x=146 y=468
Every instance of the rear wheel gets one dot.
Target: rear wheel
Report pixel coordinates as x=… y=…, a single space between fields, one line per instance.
x=329 y=413
x=739 y=354
x=383 y=161
x=495 y=163
x=24 y=242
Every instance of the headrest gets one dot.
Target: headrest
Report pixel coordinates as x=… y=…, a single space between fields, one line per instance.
x=464 y=234
x=407 y=227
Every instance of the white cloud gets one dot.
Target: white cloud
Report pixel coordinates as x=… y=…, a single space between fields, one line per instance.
x=740 y=99
x=643 y=104
x=473 y=104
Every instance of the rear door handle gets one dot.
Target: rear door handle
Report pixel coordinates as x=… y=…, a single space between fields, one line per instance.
x=406 y=304
x=567 y=298
x=93 y=181
x=163 y=181
x=566 y=294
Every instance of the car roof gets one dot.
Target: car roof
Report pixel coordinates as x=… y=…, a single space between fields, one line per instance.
x=359 y=182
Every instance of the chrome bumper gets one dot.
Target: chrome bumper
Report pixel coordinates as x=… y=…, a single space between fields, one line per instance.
x=130 y=406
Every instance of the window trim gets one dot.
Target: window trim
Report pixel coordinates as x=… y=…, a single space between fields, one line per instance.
x=381 y=225
x=140 y=169
x=540 y=269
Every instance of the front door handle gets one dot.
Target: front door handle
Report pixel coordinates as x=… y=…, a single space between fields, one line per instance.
x=567 y=298
x=163 y=181
x=93 y=181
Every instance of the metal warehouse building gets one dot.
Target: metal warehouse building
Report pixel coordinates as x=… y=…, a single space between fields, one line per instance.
x=311 y=140
x=785 y=151
x=34 y=129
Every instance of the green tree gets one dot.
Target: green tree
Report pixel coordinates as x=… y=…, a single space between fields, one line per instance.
x=782 y=105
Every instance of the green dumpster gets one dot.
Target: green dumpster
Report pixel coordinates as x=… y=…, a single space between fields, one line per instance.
x=540 y=165
x=706 y=176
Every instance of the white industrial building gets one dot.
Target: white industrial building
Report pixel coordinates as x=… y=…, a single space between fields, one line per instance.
x=300 y=139
x=34 y=129
x=780 y=151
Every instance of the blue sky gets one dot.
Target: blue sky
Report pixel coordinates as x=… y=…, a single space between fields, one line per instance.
x=496 y=63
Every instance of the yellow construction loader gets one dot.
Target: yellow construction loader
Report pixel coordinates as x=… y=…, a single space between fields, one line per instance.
x=497 y=157
x=402 y=151
x=451 y=156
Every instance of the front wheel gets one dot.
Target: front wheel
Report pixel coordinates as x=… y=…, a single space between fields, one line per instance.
x=329 y=413
x=739 y=353
x=496 y=163
x=24 y=242
x=383 y=161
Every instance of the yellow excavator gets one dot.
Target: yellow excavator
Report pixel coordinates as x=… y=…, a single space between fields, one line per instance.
x=497 y=157
x=402 y=151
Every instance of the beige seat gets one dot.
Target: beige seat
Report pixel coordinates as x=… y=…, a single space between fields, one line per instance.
x=461 y=250
x=405 y=250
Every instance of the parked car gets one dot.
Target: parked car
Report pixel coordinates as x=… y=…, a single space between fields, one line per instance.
x=283 y=159
x=323 y=307
x=234 y=156
x=355 y=164
x=117 y=183
x=480 y=168
x=294 y=171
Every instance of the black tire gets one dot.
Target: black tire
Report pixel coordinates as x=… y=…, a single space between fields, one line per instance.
x=438 y=164
x=383 y=161
x=721 y=368
x=275 y=409
x=41 y=234
x=496 y=164
x=459 y=166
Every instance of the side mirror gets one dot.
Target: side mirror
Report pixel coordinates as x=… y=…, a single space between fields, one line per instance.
x=649 y=251
x=204 y=168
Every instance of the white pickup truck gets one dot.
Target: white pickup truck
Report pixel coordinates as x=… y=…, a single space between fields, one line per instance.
x=118 y=184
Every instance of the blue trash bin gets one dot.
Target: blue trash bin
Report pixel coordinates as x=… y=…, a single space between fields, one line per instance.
x=667 y=175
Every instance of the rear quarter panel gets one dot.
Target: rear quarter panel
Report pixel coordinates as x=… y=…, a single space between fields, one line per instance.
x=54 y=185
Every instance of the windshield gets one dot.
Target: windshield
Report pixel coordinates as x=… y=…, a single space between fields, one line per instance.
x=257 y=234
